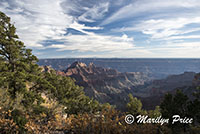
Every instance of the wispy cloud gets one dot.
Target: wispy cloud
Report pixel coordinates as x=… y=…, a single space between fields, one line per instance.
x=37 y=20
x=176 y=50
x=95 y=13
x=82 y=27
x=106 y=28
x=136 y=8
x=95 y=43
x=163 y=28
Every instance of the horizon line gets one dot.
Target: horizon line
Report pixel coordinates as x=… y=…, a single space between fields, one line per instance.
x=114 y=58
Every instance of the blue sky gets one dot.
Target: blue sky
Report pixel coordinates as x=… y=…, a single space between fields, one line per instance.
x=107 y=28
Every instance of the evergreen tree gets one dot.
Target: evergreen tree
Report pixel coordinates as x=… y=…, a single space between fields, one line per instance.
x=175 y=105
x=134 y=106
x=70 y=95
x=19 y=73
x=154 y=113
x=194 y=106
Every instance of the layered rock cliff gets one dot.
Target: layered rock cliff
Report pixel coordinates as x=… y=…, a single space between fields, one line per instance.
x=105 y=84
x=109 y=85
x=151 y=94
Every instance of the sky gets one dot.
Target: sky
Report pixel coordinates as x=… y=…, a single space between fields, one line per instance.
x=107 y=28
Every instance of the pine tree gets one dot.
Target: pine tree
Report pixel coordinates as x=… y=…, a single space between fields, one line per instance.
x=70 y=95
x=19 y=73
x=175 y=105
x=134 y=106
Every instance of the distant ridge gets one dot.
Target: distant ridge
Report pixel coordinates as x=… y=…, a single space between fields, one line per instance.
x=109 y=85
x=157 y=68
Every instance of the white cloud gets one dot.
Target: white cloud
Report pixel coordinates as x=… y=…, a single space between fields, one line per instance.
x=82 y=27
x=38 y=20
x=152 y=6
x=177 y=50
x=95 y=43
x=164 y=28
x=94 y=13
x=183 y=37
x=41 y=20
x=137 y=52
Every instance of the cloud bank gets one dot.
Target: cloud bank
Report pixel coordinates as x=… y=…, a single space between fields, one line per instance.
x=107 y=28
